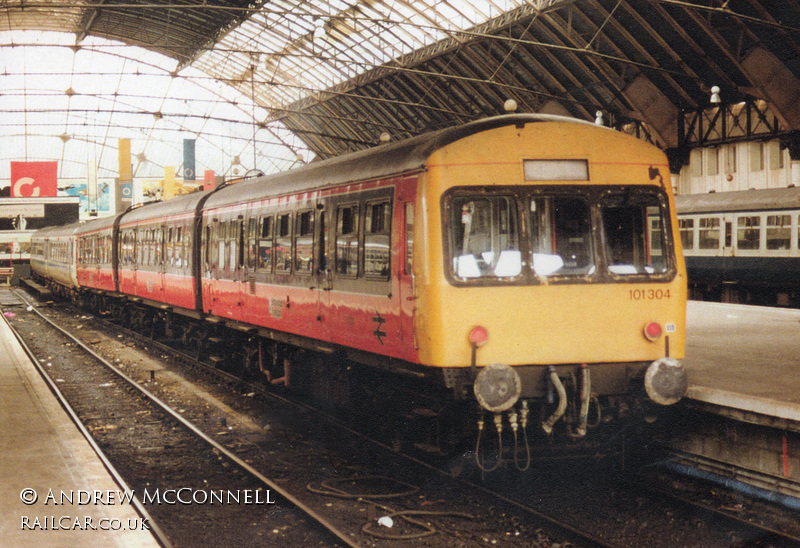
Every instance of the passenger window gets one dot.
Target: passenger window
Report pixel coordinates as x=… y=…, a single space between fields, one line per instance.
x=408 y=268
x=283 y=244
x=347 y=240
x=252 y=243
x=687 y=232
x=779 y=229
x=304 y=245
x=485 y=237
x=264 y=259
x=748 y=232
x=222 y=247
x=561 y=234
x=708 y=233
x=377 y=240
x=633 y=229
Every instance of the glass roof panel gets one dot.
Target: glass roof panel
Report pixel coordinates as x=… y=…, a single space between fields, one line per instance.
x=307 y=47
x=73 y=104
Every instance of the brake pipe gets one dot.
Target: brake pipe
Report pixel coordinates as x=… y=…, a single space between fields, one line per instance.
x=498 y=422
x=523 y=422
x=586 y=392
x=547 y=425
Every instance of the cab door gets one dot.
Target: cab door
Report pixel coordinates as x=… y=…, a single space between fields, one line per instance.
x=407 y=195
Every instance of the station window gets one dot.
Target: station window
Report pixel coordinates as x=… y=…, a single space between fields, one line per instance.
x=779 y=232
x=347 y=240
x=304 y=244
x=687 y=232
x=748 y=232
x=708 y=233
x=283 y=243
x=377 y=223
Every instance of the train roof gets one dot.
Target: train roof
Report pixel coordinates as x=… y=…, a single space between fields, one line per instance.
x=56 y=231
x=382 y=161
x=740 y=200
x=96 y=224
x=158 y=210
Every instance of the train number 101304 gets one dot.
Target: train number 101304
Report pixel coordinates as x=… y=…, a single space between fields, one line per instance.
x=649 y=294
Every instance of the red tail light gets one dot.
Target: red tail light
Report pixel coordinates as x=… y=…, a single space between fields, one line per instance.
x=652 y=331
x=478 y=336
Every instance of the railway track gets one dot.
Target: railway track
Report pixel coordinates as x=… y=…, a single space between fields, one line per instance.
x=525 y=517
x=238 y=487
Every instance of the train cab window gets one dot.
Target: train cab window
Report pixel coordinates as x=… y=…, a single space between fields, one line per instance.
x=633 y=227
x=377 y=222
x=304 y=243
x=347 y=240
x=708 y=233
x=283 y=243
x=779 y=232
x=561 y=236
x=748 y=232
x=484 y=232
x=264 y=258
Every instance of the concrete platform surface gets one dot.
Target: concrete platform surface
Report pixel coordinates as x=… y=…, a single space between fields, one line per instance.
x=746 y=357
x=42 y=455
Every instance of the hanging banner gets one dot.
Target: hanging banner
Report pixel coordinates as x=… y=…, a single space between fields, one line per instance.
x=124 y=152
x=208 y=179
x=34 y=179
x=188 y=160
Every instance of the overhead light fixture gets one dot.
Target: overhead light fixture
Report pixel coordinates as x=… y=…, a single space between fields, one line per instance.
x=510 y=106
x=598 y=118
x=385 y=137
x=715 y=98
x=319 y=31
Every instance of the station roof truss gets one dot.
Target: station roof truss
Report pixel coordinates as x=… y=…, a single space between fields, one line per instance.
x=324 y=77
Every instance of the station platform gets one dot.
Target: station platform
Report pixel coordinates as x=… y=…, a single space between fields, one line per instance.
x=42 y=454
x=744 y=357
x=743 y=425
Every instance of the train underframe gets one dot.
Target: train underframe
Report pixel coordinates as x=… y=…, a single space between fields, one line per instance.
x=563 y=412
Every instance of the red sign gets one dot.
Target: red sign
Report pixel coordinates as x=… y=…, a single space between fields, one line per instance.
x=208 y=179
x=34 y=179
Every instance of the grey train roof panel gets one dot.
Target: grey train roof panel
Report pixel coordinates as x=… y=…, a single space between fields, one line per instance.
x=748 y=200
x=383 y=161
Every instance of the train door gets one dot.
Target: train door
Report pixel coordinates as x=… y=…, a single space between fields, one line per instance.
x=407 y=197
x=727 y=236
x=322 y=272
x=161 y=250
x=238 y=255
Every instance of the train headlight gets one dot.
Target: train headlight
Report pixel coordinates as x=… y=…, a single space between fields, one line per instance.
x=497 y=387
x=665 y=381
x=652 y=331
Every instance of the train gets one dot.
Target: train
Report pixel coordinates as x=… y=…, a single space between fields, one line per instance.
x=742 y=246
x=517 y=270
